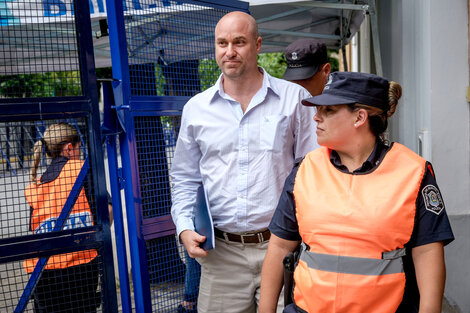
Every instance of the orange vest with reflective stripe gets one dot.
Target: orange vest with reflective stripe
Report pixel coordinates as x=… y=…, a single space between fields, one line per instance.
x=47 y=201
x=354 y=226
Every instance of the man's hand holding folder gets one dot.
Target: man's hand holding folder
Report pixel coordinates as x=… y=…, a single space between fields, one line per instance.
x=198 y=242
x=192 y=242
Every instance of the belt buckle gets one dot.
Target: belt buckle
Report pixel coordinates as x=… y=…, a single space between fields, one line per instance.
x=259 y=235
x=242 y=236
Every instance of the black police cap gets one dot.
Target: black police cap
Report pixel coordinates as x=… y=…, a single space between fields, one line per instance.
x=353 y=87
x=304 y=57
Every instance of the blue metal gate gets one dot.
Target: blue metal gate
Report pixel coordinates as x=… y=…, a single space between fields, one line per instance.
x=162 y=53
x=51 y=262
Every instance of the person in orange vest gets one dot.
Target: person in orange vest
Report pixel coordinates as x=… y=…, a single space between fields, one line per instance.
x=69 y=281
x=368 y=214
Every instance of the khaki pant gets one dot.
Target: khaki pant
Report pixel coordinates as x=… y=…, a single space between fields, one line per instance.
x=230 y=278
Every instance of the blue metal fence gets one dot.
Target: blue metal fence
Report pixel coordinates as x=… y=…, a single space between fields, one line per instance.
x=47 y=77
x=162 y=53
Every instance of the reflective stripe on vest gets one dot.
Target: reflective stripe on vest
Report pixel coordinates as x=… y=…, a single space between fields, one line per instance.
x=356 y=227
x=47 y=201
x=353 y=265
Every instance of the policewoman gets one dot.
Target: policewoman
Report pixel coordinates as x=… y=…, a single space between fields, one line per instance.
x=69 y=281
x=369 y=215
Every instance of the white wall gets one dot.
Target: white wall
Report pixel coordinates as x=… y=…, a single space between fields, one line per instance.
x=449 y=109
x=424 y=45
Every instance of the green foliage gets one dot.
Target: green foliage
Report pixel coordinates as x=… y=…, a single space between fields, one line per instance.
x=209 y=72
x=274 y=63
x=334 y=62
x=53 y=84
x=160 y=81
x=67 y=83
x=14 y=86
x=104 y=72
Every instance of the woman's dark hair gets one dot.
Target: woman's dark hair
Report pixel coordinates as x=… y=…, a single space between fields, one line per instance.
x=378 y=118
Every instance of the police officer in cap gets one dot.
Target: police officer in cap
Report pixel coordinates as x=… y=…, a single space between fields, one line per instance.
x=369 y=215
x=307 y=64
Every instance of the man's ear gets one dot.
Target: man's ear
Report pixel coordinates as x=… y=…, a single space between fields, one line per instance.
x=259 y=40
x=326 y=69
x=325 y=72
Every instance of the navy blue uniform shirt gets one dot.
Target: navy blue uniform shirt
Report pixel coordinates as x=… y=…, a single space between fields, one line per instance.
x=430 y=225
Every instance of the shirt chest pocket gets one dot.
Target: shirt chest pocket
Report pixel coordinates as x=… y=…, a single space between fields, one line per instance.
x=273 y=132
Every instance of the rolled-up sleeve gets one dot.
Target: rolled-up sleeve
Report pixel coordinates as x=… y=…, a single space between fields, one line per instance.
x=185 y=175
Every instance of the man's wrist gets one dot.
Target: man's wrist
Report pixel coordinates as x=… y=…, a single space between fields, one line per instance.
x=183 y=228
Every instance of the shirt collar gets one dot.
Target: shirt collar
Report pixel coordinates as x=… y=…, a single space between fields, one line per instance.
x=380 y=149
x=269 y=83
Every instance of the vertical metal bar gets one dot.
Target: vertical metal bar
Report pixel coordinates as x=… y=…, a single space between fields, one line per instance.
x=119 y=226
x=345 y=59
x=120 y=65
x=342 y=35
x=374 y=24
x=21 y=145
x=110 y=122
x=7 y=134
x=118 y=47
x=142 y=297
x=90 y=90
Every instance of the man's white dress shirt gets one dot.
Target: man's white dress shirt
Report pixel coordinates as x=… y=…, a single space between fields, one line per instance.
x=241 y=159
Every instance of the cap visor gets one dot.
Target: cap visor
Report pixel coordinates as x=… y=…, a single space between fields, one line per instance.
x=327 y=99
x=299 y=73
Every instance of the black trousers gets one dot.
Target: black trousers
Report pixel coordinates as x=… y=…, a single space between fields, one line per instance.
x=73 y=289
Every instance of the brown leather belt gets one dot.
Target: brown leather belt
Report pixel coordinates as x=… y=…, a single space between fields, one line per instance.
x=244 y=238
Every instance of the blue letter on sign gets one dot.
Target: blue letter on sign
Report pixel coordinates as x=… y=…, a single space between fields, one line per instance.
x=53 y=8
x=92 y=9
x=100 y=6
x=6 y=18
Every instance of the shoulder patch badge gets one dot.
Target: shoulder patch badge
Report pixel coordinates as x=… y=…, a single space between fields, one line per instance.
x=433 y=199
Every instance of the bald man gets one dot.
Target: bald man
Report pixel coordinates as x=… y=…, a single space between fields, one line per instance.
x=239 y=139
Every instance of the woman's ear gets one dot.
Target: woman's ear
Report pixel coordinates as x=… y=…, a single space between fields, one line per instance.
x=67 y=149
x=361 y=117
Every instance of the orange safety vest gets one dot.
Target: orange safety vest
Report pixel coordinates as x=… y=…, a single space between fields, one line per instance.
x=47 y=201
x=355 y=227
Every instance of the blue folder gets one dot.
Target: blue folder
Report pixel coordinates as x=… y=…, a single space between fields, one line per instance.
x=203 y=219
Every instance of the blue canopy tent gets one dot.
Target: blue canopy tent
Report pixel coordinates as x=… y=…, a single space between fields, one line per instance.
x=280 y=22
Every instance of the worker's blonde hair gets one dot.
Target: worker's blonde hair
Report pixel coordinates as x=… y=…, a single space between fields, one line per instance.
x=53 y=141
